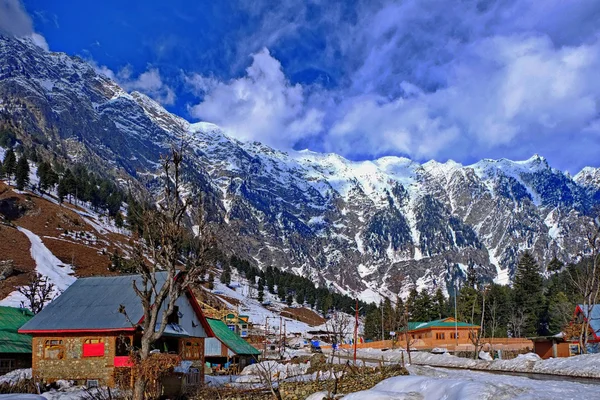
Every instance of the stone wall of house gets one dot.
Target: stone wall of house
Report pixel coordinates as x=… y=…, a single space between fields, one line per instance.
x=72 y=365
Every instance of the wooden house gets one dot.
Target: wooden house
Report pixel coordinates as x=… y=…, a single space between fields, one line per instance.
x=553 y=346
x=82 y=336
x=591 y=313
x=15 y=348
x=227 y=348
x=441 y=333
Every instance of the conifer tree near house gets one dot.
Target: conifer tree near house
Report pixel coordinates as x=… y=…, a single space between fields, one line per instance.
x=10 y=164
x=22 y=172
x=439 y=305
x=529 y=295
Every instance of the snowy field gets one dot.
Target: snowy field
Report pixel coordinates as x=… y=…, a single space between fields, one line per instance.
x=585 y=365
x=429 y=383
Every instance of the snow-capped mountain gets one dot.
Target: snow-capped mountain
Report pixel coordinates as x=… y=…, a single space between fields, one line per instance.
x=362 y=227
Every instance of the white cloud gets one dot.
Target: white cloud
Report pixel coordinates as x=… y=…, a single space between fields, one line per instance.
x=423 y=78
x=262 y=105
x=148 y=82
x=15 y=21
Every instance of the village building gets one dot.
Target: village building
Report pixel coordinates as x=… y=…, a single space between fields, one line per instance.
x=15 y=348
x=554 y=346
x=227 y=349
x=83 y=336
x=240 y=324
x=441 y=333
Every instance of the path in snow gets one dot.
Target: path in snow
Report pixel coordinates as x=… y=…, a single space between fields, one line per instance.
x=46 y=263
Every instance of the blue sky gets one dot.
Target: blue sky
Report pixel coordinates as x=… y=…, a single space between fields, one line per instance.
x=441 y=79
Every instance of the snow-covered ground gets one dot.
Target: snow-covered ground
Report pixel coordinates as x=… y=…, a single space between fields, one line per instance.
x=586 y=365
x=46 y=263
x=437 y=383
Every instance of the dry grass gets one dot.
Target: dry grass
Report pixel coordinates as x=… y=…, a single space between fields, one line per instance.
x=62 y=230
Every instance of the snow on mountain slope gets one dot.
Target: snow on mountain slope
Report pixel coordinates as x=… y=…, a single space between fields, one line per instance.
x=58 y=273
x=371 y=227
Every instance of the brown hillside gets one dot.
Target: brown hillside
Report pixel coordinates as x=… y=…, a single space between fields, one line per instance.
x=62 y=230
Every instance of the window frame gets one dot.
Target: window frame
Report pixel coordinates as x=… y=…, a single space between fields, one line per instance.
x=49 y=345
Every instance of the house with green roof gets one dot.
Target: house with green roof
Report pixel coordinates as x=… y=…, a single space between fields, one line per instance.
x=227 y=348
x=15 y=348
x=441 y=333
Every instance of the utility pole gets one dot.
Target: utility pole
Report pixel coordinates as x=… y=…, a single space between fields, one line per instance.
x=382 y=337
x=280 y=341
x=455 y=316
x=266 y=335
x=284 y=334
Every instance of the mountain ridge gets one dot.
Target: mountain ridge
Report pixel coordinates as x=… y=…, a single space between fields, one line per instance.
x=368 y=228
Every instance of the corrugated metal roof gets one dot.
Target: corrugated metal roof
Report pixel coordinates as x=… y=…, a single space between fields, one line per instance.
x=439 y=323
x=11 y=319
x=235 y=343
x=93 y=303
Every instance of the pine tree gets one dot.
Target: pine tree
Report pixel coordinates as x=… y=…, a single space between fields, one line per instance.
x=529 y=294
x=281 y=292
x=423 y=307
x=119 y=220
x=555 y=265
x=22 y=172
x=411 y=304
x=10 y=164
x=211 y=281
x=373 y=324
x=439 y=305
x=290 y=300
x=261 y=290
x=388 y=316
x=226 y=275
x=66 y=186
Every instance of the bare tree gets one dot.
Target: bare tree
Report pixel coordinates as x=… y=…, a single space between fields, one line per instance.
x=269 y=375
x=166 y=244
x=407 y=336
x=39 y=291
x=516 y=321
x=476 y=335
x=585 y=278
x=493 y=308
x=338 y=326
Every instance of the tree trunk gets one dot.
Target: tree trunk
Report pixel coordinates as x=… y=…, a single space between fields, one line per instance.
x=139 y=387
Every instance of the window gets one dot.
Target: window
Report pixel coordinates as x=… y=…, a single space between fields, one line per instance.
x=174 y=317
x=440 y=336
x=91 y=383
x=191 y=351
x=122 y=346
x=6 y=366
x=93 y=347
x=54 y=349
x=454 y=336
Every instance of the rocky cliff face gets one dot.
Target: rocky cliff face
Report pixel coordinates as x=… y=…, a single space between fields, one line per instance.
x=362 y=227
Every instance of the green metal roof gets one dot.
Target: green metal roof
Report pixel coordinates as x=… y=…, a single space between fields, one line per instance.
x=439 y=323
x=235 y=343
x=11 y=319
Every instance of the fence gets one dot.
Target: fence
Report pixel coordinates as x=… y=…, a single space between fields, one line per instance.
x=487 y=343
